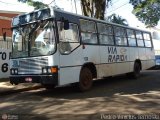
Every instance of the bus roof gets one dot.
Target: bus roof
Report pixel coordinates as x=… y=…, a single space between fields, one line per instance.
x=98 y=20
x=49 y=12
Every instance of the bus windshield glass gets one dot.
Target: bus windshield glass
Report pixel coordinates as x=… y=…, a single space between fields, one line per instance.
x=35 y=39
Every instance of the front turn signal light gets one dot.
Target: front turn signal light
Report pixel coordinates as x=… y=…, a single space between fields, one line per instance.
x=54 y=70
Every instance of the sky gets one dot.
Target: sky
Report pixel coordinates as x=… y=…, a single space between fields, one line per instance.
x=124 y=9
x=13 y=5
x=120 y=7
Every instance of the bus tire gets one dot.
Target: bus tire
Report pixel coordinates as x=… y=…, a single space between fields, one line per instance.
x=85 y=79
x=136 y=71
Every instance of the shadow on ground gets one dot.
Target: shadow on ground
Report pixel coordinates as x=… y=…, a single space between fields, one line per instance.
x=109 y=86
x=111 y=95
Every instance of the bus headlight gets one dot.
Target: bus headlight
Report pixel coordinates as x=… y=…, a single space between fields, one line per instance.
x=49 y=70
x=44 y=70
x=14 y=71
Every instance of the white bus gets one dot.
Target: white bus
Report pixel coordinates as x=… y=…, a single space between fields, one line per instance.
x=56 y=48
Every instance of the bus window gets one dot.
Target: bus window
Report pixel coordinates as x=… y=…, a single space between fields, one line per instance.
x=88 y=32
x=147 y=39
x=131 y=37
x=69 y=39
x=43 y=39
x=120 y=36
x=139 y=37
x=105 y=34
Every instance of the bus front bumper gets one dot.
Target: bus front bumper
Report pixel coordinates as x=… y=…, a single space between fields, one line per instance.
x=43 y=79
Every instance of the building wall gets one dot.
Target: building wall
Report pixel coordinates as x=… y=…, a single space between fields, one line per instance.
x=5 y=46
x=4 y=63
x=5 y=23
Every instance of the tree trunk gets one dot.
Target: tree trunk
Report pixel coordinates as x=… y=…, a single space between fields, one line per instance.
x=87 y=7
x=94 y=8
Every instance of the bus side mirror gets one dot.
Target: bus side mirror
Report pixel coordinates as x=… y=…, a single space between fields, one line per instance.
x=4 y=36
x=66 y=24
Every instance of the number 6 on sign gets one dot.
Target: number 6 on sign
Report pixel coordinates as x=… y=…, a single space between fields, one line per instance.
x=4 y=67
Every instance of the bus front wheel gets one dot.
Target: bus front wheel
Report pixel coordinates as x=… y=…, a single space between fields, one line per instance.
x=86 y=79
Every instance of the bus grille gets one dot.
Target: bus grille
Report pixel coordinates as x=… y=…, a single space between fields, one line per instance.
x=32 y=66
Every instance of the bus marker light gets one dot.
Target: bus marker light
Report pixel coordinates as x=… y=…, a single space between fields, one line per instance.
x=54 y=70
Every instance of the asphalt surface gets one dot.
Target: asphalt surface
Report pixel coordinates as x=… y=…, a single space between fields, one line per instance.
x=107 y=99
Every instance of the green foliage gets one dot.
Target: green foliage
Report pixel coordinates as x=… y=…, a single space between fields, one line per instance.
x=35 y=4
x=147 y=11
x=94 y=8
x=117 y=19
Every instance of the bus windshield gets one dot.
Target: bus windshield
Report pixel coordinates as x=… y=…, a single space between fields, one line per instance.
x=34 y=39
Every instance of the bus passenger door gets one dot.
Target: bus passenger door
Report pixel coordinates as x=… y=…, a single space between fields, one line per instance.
x=70 y=54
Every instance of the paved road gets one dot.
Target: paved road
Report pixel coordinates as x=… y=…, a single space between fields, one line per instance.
x=117 y=95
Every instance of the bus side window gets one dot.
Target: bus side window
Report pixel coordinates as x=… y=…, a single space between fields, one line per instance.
x=131 y=37
x=105 y=34
x=147 y=39
x=120 y=36
x=88 y=32
x=69 y=39
x=139 y=37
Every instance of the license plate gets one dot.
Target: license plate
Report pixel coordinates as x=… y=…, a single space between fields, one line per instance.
x=28 y=79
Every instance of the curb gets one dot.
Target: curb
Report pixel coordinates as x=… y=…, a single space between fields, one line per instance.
x=8 y=92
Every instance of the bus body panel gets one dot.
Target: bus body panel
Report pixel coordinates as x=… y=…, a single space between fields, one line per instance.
x=150 y=56
x=69 y=75
x=70 y=66
x=91 y=54
x=133 y=55
x=113 y=60
x=33 y=65
x=105 y=68
x=53 y=60
x=142 y=54
x=122 y=61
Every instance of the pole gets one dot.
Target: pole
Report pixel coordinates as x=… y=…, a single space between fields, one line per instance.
x=75 y=6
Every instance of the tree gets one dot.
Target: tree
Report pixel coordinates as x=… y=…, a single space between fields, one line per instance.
x=94 y=8
x=147 y=11
x=117 y=19
x=91 y=8
x=35 y=4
